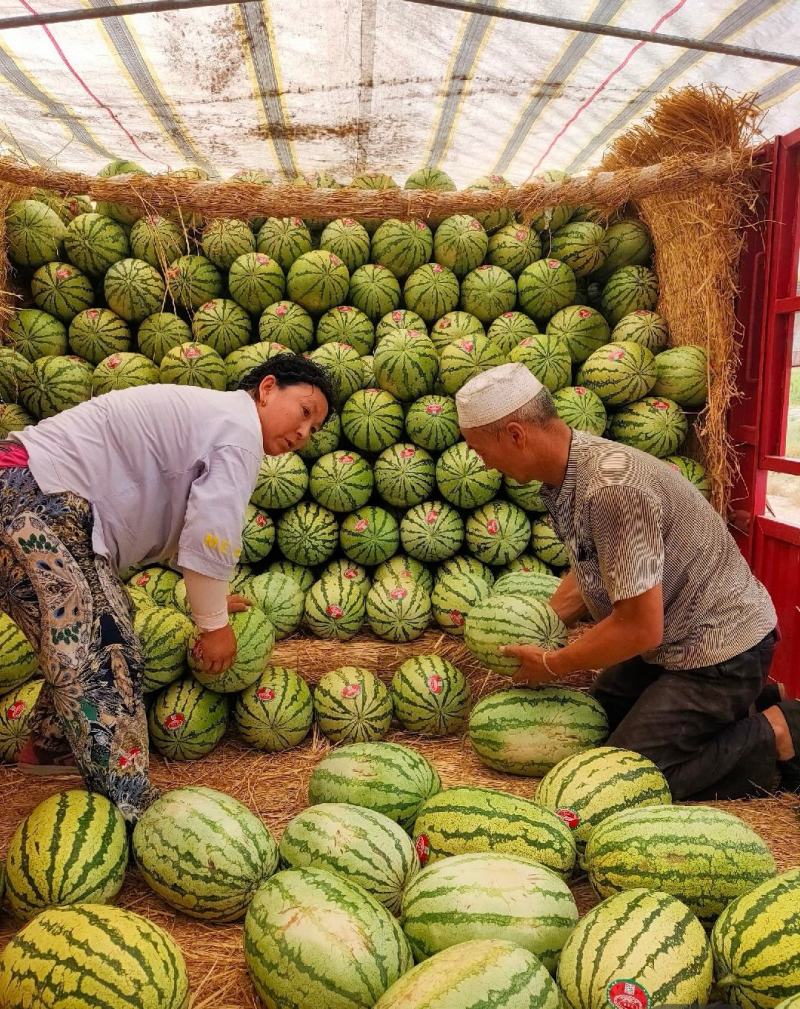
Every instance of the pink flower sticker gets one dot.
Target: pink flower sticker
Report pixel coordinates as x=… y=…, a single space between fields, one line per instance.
x=351 y=690
x=63 y=272
x=192 y=352
x=207 y=307
x=14 y=711
x=466 y=345
x=492 y=527
x=114 y=361
x=297 y=222
x=261 y=520
x=444 y=323
x=335 y=260
x=335 y=613
x=520 y=235
x=174 y=721
x=433 y=409
x=584 y=313
x=398 y=593
x=435 y=684
x=281 y=310
x=265 y=694
x=361 y=526
x=344 y=308
x=436 y=268
x=580 y=390
x=553 y=264
x=618 y=354
x=397 y=316
x=659 y=404
x=348 y=222
x=346 y=459
x=508 y=315
x=92 y=313
x=350 y=574
x=432 y=517
x=407 y=453
x=261 y=259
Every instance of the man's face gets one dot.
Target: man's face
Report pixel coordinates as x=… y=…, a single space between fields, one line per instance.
x=509 y=451
x=290 y=415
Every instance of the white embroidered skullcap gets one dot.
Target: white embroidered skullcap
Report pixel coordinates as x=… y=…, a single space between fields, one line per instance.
x=494 y=394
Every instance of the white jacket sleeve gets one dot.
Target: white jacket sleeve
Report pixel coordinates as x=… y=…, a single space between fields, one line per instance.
x=208 y=600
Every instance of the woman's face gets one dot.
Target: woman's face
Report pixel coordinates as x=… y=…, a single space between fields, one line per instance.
x=289 y=415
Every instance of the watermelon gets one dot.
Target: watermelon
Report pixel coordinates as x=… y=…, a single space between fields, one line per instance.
x=344 y=368
x=430 y=695
x=526 y=495
x=398 y=612
x=124 y=213
x=626 y=243
x=159 y=583
x=619 y=373
x=275 y=712
x=282 y=481
x=255 y=281
x=488 y=895
x=288 y=324
x=55 y=384
x=492 y=219
x=314 y=939
x=301 y=575
x=487 y=292
x=628 y=289
x=255 y=639
x=402 y=569
x=406 y=364
x=497 y=532
x=164 y=635
x=34 y=233
x=544 y=287
x=372 y=420
x=529 y=584
x=212 y=870
x=463 y=478
x=347 y=571
x=653 y=425
x=580 y=408
x=513 y=247
x=33 y=333
x=94 y=956
x=547 y=358
x=402 y=246
x=62 y=290
x=317 y=281
x=701 y=855
x=161 y=332
x=509 y=329
x=94 y=243
x=239 y=363
x=432 y=423
x=225 y=239
x=334 y=609
x=527 y=732
x=222 y=325
x=258 y=535
x=193 y=364
x=307 y=533
x=279 y=598
x=400 y=318
x=192 y=281
x=464 y=359
x=374 y=290
x=645 y=327
x=369 y=536
x=96 y=333
x=67 y=207
x=546 y=544
x=430 y=178
x=460 y=244
x=582 y=330
x=587 y=788
x=455 y=326
x=285 y=240
x=453 y=596
x=756 y=944
x=351 y=705
x=694 y=472
x=353 y=842
x=186 y=721
x=15 y=711
x=473 y=975
x=516 y=621
x=462 y=820
x=432 y=531
x=133 y=289
x=123 y=371
x=345 y=324
x=348 y=240
x=579 y=244
x=552 y=218
x=404 y=475
x=389 y=778
x=682 y=376
x=527 y=564
x=341 y=481
x=158 y=241
x=71 y=849
x=323 y=441
x=431 y=291
x=16 y=373
x=634 y=950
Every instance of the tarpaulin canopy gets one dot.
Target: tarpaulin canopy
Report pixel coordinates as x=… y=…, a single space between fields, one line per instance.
x=302 y=85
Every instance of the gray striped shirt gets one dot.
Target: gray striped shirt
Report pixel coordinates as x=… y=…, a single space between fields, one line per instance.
x=630 y=522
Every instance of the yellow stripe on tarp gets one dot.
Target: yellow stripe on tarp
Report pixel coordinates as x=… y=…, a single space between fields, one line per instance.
x=781 y=86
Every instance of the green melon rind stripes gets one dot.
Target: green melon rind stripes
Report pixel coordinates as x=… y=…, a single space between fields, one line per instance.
x=463 y=479
x=418 y=707
x=95 y=242
x=341 y=593
x=720 y=857
x=432 y=541
x=372 y=420
x=401 y=619
x=307 y=534
x=276 y=724
x=406 y=366
x=377 y=543
x=359 y=719
x=508 y=543
x=188 y=698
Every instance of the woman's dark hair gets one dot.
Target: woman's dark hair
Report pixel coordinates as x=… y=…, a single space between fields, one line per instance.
x=290 y=369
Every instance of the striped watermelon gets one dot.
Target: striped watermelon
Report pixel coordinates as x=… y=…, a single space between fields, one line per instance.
x=94 y=243
x=645 y=327
x=430 y=178
x=348 y=240
x=527 y=732
x=756 y=944
x=525 y=495
x=164 y=635
x=526 y=564
x=374 y=290
x=133 y=289
x=351 y=705
x=159 y=583
x=430 y=695
x=33 y=333
x=71 y=849
x=194 y=364
x=372 y=180
x=222 y=325
x=463 y=478
x=582 y=409
x=619 y=373
x=282 y=481
x=488 y=292
x=192 y=281
x=62 y=290
x=488 y=895
x=363 y=846
x=284 y=239
x=694 y=472
x=516 y=621
x=203 y=852
x=552 y=218
x=372 y=420
x=274 y=713
x=368 y=380
x=460 y=244
x=186 y=721
x=462 y=820
x=628 y=289
x=345 y=324
x=635 y=950
x=255 y=639
x=626 y=243
x=432 y=423
x=288 y=324
x=579 y=244
x=473 y=975
x=398 y=612
x=280 y=599
x=317 y=281
x=158 y=241
x=161 y=332
x=255 y=281
x=16 y=706
x=96 y=333
x=544 y=287
x=511 y=328
x=653 y=425
x=13 y=418
x=582 y=330
x=314 y=939
x=124 y=371
x=16 y=374
x=402 y=246
x=529 y=584
x=347 y=571
x=402 y=569
x=225 y=239
x=406 y=364
x=464 y=564
x=34 y=233
x=400 y=318
x=93 y=957
x=18 y=659
x=301 y=575
x=547 y=358
x=464 y=359
x=513 y=247
x=404 y=475
x=493 y=219
x=498 y=532
x=334 y=609
x=369 y=536
x=341 y=481
x=453 y=596
x=432 y=531
x=307 y=534
x=701 y=855
x=455 y=326
x=239 y=363
x=431 y=291
x=54 y=384
x=258 y=535
x=344 y=368
x=588 y=787
x=123 y=212
x=682 y=376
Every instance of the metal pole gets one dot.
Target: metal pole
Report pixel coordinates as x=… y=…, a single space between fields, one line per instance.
x=593 y=28
x=112 y=11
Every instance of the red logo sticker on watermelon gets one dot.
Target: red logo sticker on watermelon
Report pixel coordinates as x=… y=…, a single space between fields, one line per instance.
x=580 y=390
x=431 y=517
x=466 y=345
x=509 y=315
x=351 y=573
x=527 y=342
x=623 y=994
x=63 y=272
x=348 y=222
x=475 y=225
x=281 y=310
x=421 y=225
x=436 y=268
x=407 y=453
x=265 y=694
x=174 y=721
x=345 y=308
x=346 y=459
x=553 y=264
x=15 y=710
x=444 y=324
x=334 y=611
x=456 y=618
x=397 y=316
x=641 y=312
x=261 y=259
x=616 y=355
x=297 y=222
x=659 y=404
x=413 y=334
x=351 y=690
x=584 y=313
x=398 y=593
x=361 y=525
x=486 y=266
x=114 y=361
x=492 y=527
x=143 y=579
x=497 y=180
x=192 y=352
x=570 y=817
x=92 y=313
x=435 y=684
x=208 y=305
x=433 y=409
x=422 y=846
x=261 y=520
x=520 y=235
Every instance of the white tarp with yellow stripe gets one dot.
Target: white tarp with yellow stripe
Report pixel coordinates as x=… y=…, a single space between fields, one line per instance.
x=354 y=85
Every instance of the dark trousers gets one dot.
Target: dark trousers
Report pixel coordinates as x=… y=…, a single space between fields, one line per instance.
x=696 y=724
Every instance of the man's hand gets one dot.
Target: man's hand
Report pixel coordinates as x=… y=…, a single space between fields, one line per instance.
x=215 y=651
x=238 y=604
x=532 y=670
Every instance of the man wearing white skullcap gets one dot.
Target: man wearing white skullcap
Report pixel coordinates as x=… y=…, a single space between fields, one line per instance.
x=683 y=631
